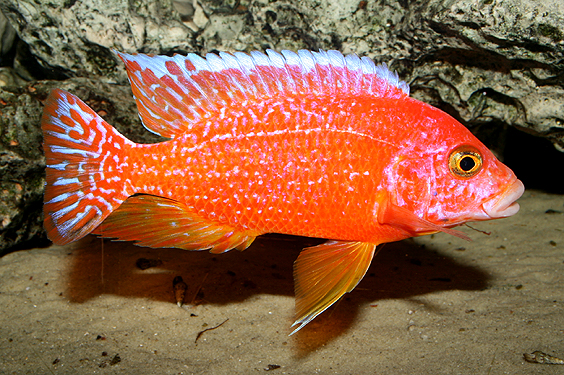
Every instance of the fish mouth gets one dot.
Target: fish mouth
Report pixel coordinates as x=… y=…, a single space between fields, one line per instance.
x=504 y=205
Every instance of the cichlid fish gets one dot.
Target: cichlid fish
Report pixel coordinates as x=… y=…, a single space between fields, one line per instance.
x=311 y=143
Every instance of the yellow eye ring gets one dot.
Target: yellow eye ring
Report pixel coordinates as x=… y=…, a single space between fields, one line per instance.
x=465 y=161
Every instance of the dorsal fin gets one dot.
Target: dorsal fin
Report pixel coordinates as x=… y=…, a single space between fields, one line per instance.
x=173 y=93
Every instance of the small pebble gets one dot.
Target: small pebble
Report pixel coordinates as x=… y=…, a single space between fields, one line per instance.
x=542 y=358
x=115 y=360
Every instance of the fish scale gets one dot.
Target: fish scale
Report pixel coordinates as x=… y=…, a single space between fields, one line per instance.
x=253 y=163
x=310 y=143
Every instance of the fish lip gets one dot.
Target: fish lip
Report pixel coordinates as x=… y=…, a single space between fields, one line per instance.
x=504 y=204
x=500 y=206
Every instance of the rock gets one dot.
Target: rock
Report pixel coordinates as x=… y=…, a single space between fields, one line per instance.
x=76 y=37
x=8 y=77
x=7 y=38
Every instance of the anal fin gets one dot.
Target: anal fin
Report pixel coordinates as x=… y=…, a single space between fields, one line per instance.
x=155 y=221
x=323 y=273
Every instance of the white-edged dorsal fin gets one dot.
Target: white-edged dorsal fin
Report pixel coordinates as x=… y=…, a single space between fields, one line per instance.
x=174 y=93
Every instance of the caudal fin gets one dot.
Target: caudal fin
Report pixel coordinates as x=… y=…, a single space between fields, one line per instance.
x=85 y=168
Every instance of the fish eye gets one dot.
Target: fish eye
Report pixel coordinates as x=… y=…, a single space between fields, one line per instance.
x=465 y=161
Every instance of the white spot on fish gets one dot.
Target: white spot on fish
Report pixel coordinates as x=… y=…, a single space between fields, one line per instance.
x=66 y=181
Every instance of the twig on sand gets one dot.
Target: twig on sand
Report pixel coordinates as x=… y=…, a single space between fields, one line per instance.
x=209 y=329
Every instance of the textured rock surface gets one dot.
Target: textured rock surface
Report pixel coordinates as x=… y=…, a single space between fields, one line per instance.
x=491 y=64
x=7 y=38
x=75 y=37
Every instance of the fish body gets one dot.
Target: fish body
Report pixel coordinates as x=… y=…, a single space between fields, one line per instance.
x=309 y=143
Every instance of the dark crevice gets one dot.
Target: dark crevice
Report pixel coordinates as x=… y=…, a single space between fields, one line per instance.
x=38 y=72
x=483 y=59
x=529 y=45
x=7 y=58
x=535 y=161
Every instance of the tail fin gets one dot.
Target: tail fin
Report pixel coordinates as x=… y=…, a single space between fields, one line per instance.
x=84 y=174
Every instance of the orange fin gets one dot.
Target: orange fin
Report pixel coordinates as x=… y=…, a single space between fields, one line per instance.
x=154 y=221
x=402 y=218
x=323 y=273
x=84 y=178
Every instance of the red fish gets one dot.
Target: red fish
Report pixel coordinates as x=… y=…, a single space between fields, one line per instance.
x=311 y=143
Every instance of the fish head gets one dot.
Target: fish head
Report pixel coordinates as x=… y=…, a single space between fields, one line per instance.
x=471 y=184
x=455 y=179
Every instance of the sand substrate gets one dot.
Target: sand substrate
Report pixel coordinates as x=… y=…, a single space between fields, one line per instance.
x=432 y=305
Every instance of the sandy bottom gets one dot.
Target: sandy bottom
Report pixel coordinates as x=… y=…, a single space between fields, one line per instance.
x=433 y=305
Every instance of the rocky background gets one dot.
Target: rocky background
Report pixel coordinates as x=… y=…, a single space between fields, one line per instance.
x=496 y=65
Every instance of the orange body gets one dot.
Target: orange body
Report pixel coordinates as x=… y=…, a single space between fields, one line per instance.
x=311 y=175
x=307 y=144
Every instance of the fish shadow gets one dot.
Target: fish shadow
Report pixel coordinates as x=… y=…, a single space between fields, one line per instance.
x=111 y=267
x=401 y=270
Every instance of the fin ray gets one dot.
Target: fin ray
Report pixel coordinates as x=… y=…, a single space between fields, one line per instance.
x=82 y=184
x=323 y=273
x=173 y=94
x=155 y=221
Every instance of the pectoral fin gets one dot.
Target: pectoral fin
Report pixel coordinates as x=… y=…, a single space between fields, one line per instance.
x=322 y=274
x=161 y=222
x=402 y=218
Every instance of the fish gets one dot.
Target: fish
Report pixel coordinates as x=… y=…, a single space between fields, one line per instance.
x=314 y=144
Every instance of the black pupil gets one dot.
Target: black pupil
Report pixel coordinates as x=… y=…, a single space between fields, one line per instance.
x=467 y=163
